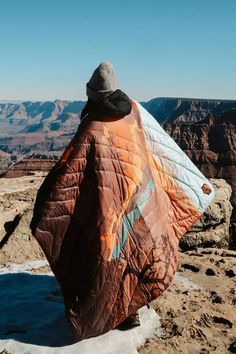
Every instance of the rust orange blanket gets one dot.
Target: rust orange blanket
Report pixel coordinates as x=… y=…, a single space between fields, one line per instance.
x=110 y=214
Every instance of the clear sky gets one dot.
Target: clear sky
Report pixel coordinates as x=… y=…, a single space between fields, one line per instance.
x=179 y=48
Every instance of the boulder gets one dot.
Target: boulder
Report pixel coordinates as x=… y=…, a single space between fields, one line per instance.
x=212 y=229
x=17 y=197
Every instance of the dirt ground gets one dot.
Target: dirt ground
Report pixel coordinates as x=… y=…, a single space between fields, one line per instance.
x=201 y=319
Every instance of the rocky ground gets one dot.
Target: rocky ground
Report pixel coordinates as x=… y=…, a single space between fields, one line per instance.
x=201 y=320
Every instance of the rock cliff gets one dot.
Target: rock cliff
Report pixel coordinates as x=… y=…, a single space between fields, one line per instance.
x=186 y=110
x=211 y=145
x=48 y=126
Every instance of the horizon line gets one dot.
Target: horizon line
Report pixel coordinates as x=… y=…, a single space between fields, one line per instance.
x=142 y=101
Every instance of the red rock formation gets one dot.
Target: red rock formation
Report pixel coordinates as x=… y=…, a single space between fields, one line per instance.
x=211 y=145
x=29 y=166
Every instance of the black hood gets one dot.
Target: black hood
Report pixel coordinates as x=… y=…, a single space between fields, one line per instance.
x=116 y=104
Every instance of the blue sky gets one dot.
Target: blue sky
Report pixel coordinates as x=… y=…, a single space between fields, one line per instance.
x=175 y=48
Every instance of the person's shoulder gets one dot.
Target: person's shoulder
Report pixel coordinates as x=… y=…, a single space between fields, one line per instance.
x=84 y=131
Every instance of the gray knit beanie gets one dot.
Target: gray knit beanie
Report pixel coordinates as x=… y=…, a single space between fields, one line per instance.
x=102 y=82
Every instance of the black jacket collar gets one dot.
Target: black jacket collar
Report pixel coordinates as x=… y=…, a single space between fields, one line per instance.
x=116 y=104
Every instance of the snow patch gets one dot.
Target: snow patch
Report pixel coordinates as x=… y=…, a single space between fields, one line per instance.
x=186 y=283
x=32 y=318
x=26 y=267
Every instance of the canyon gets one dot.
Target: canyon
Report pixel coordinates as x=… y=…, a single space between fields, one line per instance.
x=34 y=134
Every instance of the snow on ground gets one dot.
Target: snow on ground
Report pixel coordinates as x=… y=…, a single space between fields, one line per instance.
x=26 y=267
x=186 y=284
x=32 y=318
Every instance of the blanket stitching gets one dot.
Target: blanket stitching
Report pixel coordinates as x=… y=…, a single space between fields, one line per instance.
x=118 y=160
x=198 y=198
x=177 y=163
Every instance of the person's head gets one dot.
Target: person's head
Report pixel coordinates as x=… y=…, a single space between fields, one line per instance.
x=102 y=83
x=104 y=97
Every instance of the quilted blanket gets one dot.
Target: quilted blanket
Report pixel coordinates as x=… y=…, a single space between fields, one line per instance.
x=110 y=214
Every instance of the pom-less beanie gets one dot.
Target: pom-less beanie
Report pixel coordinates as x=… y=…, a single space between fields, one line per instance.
x=102 y=82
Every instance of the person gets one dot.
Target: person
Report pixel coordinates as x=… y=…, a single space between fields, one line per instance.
x=110 y=213
x=105 y=99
